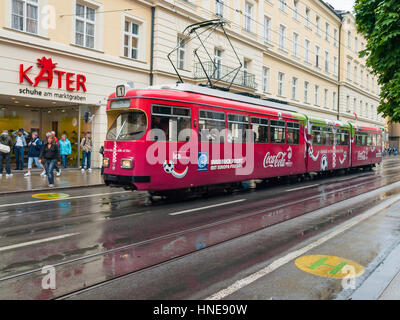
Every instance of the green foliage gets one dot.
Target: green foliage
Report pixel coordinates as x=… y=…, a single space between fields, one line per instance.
x=379 y=22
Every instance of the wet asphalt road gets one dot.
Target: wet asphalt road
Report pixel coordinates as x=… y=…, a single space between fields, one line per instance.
x=99 y=234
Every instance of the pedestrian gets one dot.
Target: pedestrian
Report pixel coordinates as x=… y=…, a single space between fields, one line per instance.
x=34 y=149
x=86 y=145
x=51 y=154
x=19 y=145
x=101 y=151
x=6 y=145
x=53 y=134
x=65 y=149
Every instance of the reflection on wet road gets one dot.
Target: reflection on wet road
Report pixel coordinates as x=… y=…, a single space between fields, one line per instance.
x=99 y=234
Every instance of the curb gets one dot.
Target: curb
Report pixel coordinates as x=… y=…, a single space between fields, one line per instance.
x=48 y=189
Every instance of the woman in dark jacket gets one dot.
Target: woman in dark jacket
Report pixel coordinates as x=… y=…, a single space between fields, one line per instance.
x=51 y=154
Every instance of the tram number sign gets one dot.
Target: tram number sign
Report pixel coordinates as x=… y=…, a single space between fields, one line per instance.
x=120 y=91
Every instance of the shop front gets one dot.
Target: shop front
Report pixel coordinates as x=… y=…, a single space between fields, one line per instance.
x=44 y=89
x=38 y=116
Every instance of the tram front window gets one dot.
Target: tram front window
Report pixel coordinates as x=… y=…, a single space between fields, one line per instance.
x=128 y=126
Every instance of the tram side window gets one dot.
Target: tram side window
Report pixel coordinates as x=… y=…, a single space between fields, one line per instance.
x=278 y=131
x=369 y=139
x=374 y=139
x=329 y=136
x=172 y=121
x=361 y=139
x=379 y=140
x=238 y=125
x=318 y=135
x=259 y=129
x=342 y=137
x=211 y=126
x=293 y=133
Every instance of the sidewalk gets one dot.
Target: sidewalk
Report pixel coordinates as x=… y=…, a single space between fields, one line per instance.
x=69 y=178
x=384 y=282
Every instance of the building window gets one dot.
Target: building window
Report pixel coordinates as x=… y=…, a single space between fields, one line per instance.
x=280 y=83
x=335 y=65
x=295 y=9
x=326 y=61
x=335 y=37
x=366 y=110
x=131 y=40
x=295 y=44
x=355 y=44
x=217 y=62
x=361 y=110
x=181 y=53
x=348 y=103
x=25 y=15
x=267 y=29
x=306 y=85
x=317 y=56
x=282 y=5
x=307 y=51
x=308 y=20
x=294 y=88
x=282 y=32
x=355 y=74
x=334 y=100
x=317 y=23
x=247 y=16
x=265 y=79
x=327 y=31
x=326 y=98
x=367 y=82
x=316 y=95
x=348 y=70
x=245 y=71
x=219 y=8
x=349 y=39
x=361 y=77
x=85 y=26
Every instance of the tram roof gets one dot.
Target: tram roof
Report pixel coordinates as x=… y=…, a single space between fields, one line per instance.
x=212 y=97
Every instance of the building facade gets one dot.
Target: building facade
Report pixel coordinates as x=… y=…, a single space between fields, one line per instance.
x=59 y=60
x=359 y=91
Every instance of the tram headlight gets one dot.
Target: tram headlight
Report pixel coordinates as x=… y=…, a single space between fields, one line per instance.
x=106 y=162
x=126 y=163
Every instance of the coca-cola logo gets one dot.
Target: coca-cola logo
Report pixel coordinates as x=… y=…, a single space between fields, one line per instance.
x=279 y=160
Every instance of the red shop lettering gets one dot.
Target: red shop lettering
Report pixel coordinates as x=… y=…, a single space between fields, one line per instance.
x=48 y=72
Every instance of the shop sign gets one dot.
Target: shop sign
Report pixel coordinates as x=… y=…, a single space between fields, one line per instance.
x=48 y=72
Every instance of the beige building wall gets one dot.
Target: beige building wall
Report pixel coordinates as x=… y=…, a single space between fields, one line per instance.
x=297 y=40
x=359 y=91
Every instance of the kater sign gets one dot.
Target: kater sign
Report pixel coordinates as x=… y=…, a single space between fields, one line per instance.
x=68 y=80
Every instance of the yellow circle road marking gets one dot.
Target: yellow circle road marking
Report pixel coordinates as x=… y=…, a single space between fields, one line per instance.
x=51 y=195
x=329 y=266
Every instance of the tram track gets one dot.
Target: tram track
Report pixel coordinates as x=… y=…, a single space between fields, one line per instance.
x=131 y=203
x=346 y=193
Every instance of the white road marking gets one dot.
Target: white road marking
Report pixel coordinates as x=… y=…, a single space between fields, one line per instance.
x=299 y=188
x=207 y=207
x=293 y=255
x=24 y=244
x=61 y=199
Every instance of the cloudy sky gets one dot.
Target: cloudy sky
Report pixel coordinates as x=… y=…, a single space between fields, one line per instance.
x=342 y=4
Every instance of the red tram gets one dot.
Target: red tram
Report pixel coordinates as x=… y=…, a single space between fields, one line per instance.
x=184 y=136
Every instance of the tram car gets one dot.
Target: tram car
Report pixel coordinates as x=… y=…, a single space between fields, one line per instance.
x=186 y=137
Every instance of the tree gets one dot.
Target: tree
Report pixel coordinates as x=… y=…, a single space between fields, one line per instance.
x=379 y=22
